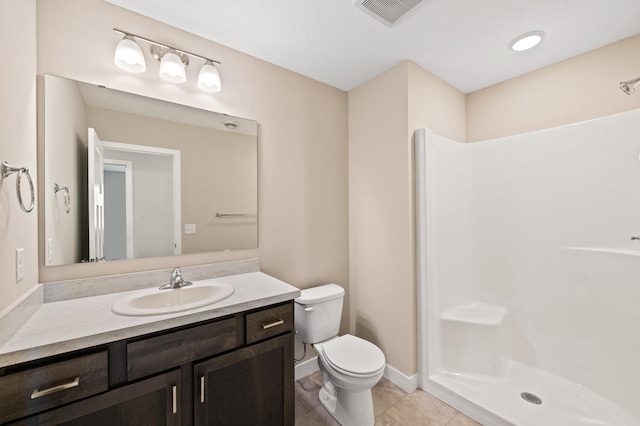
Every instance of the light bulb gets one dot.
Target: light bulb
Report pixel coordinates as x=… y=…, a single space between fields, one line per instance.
x=526 y=41
x=172 y=68
x=208 y=78
x=128 y=56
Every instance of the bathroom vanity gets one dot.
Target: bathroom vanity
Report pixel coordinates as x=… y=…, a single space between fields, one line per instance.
x=230 y=363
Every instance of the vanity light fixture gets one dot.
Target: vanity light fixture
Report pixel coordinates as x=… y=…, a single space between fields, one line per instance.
x=526 y=41
x=173 y=61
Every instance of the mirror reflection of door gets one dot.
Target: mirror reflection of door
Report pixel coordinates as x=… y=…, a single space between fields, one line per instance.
x=118 y=209
x=140 y=215
x=96 y=196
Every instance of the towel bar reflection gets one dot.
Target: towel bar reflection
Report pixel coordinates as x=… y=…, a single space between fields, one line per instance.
x=224 y=215
x=67 y=196
x=6 y=169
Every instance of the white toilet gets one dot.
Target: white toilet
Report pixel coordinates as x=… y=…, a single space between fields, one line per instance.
x=350 y=366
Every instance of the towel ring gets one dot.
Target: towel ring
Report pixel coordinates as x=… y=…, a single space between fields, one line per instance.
x=67 y=196
x=6 y=170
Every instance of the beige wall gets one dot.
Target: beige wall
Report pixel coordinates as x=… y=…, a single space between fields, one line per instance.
x=17 y=145
x=581 y=88
x=67 y=133
x=383 y=113
x=435 y=105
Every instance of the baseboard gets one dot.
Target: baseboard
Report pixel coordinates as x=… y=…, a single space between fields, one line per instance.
x=304 y=368
x=407 y=384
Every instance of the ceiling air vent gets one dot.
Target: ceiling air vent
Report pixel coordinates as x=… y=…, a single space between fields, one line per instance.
x=388 y=12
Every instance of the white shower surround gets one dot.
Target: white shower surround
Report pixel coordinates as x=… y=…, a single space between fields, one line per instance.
x=533 y=232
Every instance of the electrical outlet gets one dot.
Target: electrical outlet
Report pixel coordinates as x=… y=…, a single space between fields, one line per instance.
x=19 y=264
x=189 y=228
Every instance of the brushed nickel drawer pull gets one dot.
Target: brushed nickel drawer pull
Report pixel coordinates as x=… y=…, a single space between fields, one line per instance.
x=38 y=393
x=272 y=324
x=201 y=388
x=175 y=399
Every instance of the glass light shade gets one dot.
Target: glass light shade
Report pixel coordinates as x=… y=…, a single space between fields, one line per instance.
x=526 y=41
x=208 y=78
x=172 y=68
x=128 y=56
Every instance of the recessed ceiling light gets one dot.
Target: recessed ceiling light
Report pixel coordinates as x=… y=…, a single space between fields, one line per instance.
x=526 y=41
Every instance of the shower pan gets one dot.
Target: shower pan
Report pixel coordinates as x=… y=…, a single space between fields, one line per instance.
x=527 y=275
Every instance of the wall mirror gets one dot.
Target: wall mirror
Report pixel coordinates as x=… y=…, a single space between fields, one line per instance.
x=126 y=176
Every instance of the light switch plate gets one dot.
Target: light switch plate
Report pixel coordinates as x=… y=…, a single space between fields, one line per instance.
x=189 y=228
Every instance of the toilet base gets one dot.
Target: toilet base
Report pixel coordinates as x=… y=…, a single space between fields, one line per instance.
x=349 y=408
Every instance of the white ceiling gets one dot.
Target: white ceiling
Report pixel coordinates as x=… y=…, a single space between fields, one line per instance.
x=463 y=42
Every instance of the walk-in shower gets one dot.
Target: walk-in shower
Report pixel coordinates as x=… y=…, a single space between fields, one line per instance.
x=528 y=278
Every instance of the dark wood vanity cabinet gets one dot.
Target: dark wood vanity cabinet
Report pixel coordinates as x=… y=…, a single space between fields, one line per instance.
x=236 y=370
x=261 y=373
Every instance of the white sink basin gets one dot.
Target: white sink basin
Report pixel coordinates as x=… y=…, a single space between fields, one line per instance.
x=158 y=302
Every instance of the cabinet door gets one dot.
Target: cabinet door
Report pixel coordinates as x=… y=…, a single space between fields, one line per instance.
x=152 y=402
x=250 y=386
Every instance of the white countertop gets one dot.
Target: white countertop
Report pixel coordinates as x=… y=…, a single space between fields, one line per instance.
x=68 y=325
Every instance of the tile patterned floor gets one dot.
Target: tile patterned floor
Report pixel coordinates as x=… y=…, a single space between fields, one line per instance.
x=392 y=406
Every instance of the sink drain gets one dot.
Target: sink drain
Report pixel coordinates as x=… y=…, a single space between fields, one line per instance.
x=529 y=397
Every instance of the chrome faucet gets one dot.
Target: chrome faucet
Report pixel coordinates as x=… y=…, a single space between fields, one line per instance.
x=176 y=280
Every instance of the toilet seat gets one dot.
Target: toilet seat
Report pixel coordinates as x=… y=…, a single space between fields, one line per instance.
x=353 y=356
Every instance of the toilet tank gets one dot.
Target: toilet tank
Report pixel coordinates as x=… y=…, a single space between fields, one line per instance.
x=317 y=312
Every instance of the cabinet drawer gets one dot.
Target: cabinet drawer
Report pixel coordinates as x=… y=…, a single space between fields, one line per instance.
x=173 y=349
x=37 y=389
x=149 y=402
x=269 y=322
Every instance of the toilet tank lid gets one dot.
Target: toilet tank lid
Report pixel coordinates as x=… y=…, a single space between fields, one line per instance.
x=323 y=293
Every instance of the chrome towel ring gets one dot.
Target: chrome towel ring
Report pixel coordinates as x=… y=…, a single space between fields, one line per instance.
x=6 y=170
x=67 y=195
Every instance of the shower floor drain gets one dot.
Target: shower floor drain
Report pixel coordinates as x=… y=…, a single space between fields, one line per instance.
x=529 y=397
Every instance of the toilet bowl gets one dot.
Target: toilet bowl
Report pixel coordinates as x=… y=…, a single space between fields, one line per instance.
x=350 y=366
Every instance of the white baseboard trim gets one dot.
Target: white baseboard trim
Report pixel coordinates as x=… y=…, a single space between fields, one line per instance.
x=407 y=384
x=307 y=367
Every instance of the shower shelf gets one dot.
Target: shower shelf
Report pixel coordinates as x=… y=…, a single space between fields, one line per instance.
x=476 y=313
x=610 y=250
